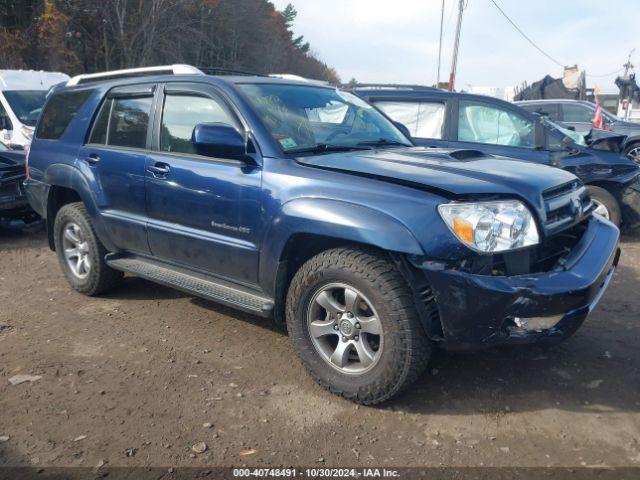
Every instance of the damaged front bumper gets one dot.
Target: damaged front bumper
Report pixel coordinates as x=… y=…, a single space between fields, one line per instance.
x=482 y=310
x=630 y=203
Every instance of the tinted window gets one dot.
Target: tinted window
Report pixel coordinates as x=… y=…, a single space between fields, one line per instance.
x=482 y=123
x=26 y=104
x=58 y=113
x=574 y=112
x=182 y=113
x=546 y=109
x=423 y=119
x=129 y=121
x=122 y=122
x=99 y=131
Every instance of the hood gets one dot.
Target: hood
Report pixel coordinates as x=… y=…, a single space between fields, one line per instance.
x=605 y=140
x=454 y=173
x=461 y=174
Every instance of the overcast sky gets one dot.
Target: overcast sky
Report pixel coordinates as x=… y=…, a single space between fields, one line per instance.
x=397 y=40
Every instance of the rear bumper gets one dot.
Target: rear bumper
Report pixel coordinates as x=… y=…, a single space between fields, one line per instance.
x=13 y=201
x=478 y=311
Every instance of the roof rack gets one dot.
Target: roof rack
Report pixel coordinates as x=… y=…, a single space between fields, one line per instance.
x=228 y=71
x=389 y=86
x=177 y=69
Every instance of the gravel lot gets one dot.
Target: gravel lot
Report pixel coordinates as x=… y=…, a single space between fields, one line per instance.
x=140 y=376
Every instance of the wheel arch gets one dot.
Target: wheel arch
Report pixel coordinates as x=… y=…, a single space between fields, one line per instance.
x=305 y=227
x=68 y=185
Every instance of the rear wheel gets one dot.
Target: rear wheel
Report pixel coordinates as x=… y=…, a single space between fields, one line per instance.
x=605 y=203
x=351 y=318
x=80 y=253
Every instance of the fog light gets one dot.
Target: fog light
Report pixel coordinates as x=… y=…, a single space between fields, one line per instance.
x=535 y=324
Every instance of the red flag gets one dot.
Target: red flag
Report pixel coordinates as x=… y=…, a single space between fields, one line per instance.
x=598 y=118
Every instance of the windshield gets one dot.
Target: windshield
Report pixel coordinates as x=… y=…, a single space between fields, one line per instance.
x=26 y=104
x=575 y=136
x=310 y=118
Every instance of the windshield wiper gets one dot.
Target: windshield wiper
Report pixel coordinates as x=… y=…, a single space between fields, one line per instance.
x=382 y=142
x=326 y=147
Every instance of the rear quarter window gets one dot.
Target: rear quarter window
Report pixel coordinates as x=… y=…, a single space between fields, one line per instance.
x=58 y=113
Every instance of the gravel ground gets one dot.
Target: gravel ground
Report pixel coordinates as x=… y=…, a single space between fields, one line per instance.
x=144 y=374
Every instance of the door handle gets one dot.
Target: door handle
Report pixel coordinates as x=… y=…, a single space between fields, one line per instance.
x=92 y=159
x=159 y=169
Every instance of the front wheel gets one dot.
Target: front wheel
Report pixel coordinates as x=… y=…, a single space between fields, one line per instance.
x=606 y=204
x=352 y=320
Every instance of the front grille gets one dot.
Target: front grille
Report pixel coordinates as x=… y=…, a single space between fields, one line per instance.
x=564 y=205
x=10 y=189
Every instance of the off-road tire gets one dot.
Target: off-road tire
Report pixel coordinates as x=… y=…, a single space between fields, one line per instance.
x=609 y=201
x=406 y=350
x=101 y=277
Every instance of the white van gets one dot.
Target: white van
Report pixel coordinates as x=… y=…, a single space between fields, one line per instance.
x=22 y=95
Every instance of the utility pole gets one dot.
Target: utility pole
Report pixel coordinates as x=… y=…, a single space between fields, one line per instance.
x=454 y=61
x=629 y=100
x=628 y=65
x=440 y=44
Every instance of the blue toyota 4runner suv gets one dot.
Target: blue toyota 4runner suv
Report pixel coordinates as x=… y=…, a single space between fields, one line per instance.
x=301 y=202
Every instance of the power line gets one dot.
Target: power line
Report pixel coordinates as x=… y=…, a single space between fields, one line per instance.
x=525 y=35
x=605 y=74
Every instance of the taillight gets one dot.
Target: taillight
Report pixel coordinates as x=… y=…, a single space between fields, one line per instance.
x=26 y=160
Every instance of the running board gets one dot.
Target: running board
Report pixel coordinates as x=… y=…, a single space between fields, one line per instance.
x=210 y=288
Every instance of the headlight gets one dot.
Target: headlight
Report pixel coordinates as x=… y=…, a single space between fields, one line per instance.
x=491 y=226
x=27 y=132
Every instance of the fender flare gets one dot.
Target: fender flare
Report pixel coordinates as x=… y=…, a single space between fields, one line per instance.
x=337 y=219
x=63 y=175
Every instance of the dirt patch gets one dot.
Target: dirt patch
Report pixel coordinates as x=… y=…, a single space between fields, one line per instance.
x=133 y=377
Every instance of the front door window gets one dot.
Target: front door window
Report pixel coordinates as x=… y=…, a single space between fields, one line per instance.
x=484 y=123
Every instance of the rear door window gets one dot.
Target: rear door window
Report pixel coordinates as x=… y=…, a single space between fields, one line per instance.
x=576 y=113
x=59 y=112
x=122 y=122
x=423 y=119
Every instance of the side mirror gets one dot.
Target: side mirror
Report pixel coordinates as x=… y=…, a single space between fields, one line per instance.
x=403 y=128
x=219 y=140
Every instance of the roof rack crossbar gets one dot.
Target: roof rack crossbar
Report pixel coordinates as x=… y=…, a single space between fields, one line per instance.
x=228 y=71
x=177 y=69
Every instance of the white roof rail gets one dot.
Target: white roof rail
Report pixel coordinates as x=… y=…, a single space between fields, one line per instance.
x=291 y=76
x=177 y=69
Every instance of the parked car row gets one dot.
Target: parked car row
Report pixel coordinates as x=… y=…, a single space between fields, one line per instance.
x=437 y=118
x=579 y=114
x=304 y=203
x=22 y=95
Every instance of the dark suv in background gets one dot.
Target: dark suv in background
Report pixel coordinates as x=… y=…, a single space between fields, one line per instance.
x=579 y=114
x=437 y=118
x=303 y=203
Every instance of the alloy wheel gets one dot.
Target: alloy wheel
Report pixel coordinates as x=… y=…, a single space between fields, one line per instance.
x=634 y=154
x=345 y=328
x=601 y=209
x=76 y=250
